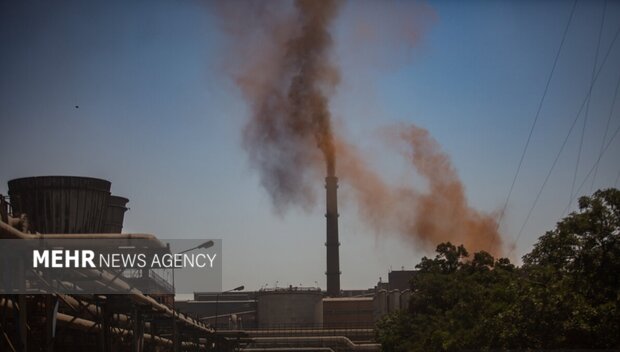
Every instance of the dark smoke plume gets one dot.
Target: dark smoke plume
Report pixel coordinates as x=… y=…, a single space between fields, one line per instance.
x=286 y=82
x=286 y=75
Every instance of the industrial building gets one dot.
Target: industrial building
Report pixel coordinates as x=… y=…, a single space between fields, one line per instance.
x=82 y=208
x=279 y=318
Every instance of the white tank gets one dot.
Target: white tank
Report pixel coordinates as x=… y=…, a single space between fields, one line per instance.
x=393 y=301
x=405 y=298
x=380 y=304
x=291 y=307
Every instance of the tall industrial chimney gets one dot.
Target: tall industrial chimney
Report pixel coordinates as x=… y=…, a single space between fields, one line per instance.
x=332 y=244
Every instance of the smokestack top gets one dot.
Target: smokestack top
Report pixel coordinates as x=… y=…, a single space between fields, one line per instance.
x=331 y=167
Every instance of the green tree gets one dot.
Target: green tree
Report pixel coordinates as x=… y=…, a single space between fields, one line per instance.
x=453 y=305
x=582 y=255
x=566 y=295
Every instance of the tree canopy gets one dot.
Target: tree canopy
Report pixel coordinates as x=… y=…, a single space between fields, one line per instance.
x=566 y=295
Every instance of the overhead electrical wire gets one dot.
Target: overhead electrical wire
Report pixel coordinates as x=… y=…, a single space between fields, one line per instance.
x=598 y=160
x=587 y=113
x=557 y=157
x=600 y=154
x=537 y=115
x=611 y=111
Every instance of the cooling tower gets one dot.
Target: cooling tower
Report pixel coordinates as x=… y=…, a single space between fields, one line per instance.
x=115 y=214
x=61 y=204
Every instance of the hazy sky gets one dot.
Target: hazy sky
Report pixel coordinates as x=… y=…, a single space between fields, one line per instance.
x=160 y=118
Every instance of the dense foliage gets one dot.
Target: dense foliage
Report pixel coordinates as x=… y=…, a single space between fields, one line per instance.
x=565 y=296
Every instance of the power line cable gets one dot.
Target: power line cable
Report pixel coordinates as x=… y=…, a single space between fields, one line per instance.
x=585 y=118
x=600 y=154
x=598 y=160
x=542 y=187
x=537 y=115
x=611 y=111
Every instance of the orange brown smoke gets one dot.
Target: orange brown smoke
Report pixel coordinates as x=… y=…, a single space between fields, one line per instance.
x=437 y=215
x=287 y=79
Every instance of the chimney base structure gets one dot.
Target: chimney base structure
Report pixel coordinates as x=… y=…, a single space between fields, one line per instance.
x=332 y=244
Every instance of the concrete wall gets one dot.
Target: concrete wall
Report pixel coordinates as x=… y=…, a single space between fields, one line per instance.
x=400 y=279
x=351 y=312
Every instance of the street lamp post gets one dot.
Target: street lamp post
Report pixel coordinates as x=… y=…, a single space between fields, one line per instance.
x=217 y=301
x=175 y=337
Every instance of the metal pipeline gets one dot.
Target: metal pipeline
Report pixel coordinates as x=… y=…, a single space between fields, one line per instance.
x=308 y=332
x=15 y=233
x=136 y=295
x=92 y=308
x=90 y=326
x=320 y=340
x=284 y=349
x=95 y=310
